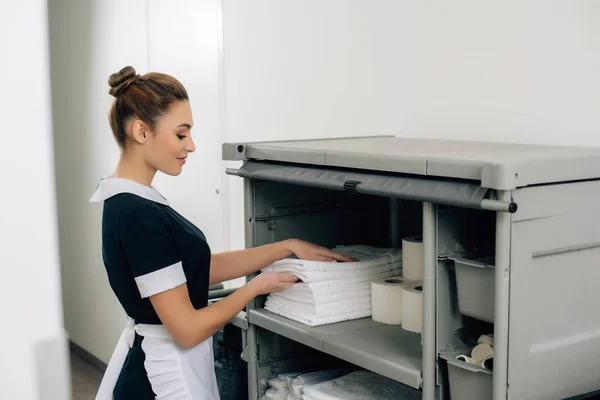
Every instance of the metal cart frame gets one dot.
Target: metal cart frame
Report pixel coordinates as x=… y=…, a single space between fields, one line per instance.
x=544 y=182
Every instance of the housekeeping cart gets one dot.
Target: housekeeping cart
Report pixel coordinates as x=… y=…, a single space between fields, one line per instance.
x=511 y=248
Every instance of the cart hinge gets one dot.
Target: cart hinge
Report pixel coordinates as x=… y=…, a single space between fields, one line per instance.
x=250 y=354
x=272 y=226
x=350 y=186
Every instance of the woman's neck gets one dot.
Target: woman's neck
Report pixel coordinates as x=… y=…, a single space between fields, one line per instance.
x=135 y=170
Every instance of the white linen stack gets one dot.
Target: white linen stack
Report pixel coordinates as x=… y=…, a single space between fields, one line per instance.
x=333 y=292
x=359 y=385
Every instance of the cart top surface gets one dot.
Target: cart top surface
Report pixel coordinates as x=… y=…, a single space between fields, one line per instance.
x=502 y=166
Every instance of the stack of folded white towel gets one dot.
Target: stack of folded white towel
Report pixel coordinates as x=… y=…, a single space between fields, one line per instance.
x=360 y=385
x=337 y=384
x=333 y=292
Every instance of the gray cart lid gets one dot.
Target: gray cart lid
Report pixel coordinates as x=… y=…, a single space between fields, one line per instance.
x=498 y=166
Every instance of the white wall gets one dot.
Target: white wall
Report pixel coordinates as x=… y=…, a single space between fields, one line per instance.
x=520 y=71
x=33 y=364
x=90 y=40
x=516 y=70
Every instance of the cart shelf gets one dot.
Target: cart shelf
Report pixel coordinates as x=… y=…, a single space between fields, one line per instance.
x=384 y=349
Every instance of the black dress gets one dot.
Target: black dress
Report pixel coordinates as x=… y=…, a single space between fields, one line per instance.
x=147 y=248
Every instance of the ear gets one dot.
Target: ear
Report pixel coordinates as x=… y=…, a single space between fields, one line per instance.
x=139 y=131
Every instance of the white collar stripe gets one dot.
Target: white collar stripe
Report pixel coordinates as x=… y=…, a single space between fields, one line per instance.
x=110 y=187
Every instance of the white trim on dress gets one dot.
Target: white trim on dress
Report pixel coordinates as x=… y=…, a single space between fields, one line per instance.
x=161 y=280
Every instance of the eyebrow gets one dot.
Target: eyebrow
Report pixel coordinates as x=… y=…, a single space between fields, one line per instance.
x=188 y=126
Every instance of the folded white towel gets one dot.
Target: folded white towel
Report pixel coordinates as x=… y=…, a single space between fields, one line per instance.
x=333 y=292
x=312 y=378
x=311 y=320
x=314 y=306
x=326 y=310
x=316 y=294
x=276 y=394
x=361 y=385
x=362 y=252
x=365 y=256
x=322 y=315
x=309 y=276
x=371 y=260
x=336 y=287
x=309 y=298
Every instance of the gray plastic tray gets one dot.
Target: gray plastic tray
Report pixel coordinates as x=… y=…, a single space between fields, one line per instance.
x=467 y=381
x=475 y=286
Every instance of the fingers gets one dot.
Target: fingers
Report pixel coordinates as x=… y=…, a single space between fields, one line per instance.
x=324 y=258
x=341 y=257
x=286 y=285
x=332 y=255
x=285 y=277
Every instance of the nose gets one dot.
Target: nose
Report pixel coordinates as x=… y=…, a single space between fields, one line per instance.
x=190 y=147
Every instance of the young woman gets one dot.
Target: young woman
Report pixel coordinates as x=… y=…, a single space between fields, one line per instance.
x=158 y=263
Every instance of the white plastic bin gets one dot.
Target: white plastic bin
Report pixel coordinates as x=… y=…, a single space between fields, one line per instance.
x=467 y=381
x=475 y=286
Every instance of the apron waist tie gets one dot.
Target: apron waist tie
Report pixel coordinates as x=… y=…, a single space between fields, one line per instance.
x=117 y=360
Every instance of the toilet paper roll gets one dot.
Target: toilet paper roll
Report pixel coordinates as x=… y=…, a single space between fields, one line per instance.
x=481 y=352
x=412 y=258
x=386 y=300
x=489 y=339
x=488 y=363
x=466 y=359
x=412 y=307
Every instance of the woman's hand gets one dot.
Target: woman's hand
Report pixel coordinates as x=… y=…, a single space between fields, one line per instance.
x=308 y=251
x=271 y=282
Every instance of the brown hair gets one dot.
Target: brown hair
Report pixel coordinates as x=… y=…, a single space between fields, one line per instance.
x=146 y=97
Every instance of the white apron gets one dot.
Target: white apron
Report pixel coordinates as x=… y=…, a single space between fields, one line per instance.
x=174 y=373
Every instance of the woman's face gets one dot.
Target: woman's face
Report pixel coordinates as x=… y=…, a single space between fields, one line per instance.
x=168 y=146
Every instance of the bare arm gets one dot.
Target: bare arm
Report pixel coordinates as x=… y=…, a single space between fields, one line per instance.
x=235 y=264
x=189 y=326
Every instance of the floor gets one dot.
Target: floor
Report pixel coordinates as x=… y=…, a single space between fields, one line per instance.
x=85 y=379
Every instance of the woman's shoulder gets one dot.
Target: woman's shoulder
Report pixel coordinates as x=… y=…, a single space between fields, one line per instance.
x=130 y=208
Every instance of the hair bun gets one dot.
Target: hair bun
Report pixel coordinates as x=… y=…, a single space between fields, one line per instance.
x=119 y=80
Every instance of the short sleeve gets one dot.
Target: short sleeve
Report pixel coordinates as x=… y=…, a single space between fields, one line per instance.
x=151 y=251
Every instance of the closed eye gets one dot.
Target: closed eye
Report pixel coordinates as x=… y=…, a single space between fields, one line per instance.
x=181 y=137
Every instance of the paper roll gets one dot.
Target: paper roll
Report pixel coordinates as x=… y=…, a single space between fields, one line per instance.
x=489 y=339
x=412 y=258
x=488 y=363
x=466 y=359
x=482 y=351
x=386 y=300
x=412 y=307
